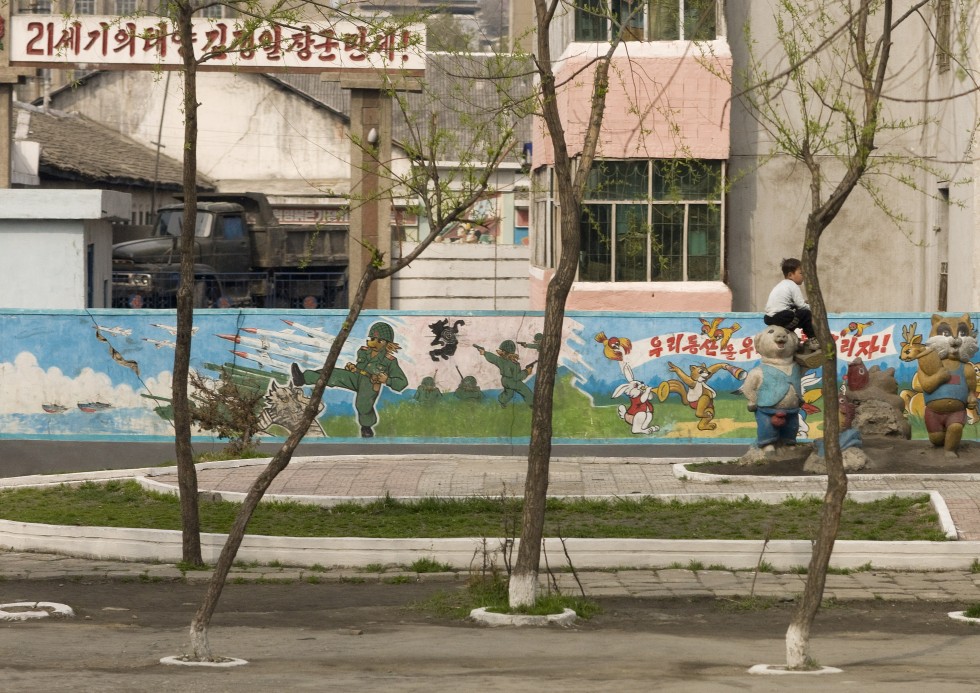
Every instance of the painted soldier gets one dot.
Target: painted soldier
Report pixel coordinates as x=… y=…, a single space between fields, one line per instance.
x=376 y=366
x=512 y=376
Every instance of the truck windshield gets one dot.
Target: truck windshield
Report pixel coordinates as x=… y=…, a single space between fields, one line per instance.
x=171 y=221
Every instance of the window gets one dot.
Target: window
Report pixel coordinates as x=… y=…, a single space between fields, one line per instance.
x=170 y=222
x=652 y=221
x=212 y=11
x=233 y=227
x=126 y=7
x=39 y=7
x=653 y=20
x=84 y=6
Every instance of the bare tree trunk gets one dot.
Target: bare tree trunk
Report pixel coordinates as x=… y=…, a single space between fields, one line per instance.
x=871 y=66
x=522 y=588
x=200 y=648
x=798 y=633
x=524 y=580
x=441 y=210
x=186 y=472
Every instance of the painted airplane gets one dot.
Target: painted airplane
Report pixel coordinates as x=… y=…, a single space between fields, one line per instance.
x=160 y=343
x=260 y=343
x=171 y=328
x=313 y=332
x=117 y=331
x=263 y=359
x=292 y=337
x=263 y=345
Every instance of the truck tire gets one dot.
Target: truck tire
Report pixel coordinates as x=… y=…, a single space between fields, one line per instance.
x=204 y=293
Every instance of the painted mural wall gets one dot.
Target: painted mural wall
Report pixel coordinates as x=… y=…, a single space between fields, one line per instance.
x=466 y=377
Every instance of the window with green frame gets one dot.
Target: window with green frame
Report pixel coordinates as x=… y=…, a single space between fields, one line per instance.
x=652 y=221
x=651 y=20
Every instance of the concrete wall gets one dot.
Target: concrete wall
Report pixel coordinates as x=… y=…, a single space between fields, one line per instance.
x=56 y=247
x=455 y=276
x=106 y=374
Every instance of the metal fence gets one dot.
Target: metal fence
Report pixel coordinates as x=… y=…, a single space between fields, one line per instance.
x=142 y=289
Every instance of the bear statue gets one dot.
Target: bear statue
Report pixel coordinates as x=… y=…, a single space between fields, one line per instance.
x=773 y=388
x=948 y=379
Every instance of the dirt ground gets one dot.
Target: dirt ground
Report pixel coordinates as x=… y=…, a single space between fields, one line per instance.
x=374 y=636
x=885 y=456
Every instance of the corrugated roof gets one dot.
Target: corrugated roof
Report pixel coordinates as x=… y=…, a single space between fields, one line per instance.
x=76 y=148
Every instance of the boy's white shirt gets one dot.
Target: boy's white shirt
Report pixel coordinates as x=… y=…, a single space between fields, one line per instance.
x=786 y=295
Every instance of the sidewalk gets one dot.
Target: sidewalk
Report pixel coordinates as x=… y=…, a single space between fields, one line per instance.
x=334 y=479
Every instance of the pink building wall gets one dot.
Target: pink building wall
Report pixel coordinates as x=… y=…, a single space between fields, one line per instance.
x=654 y=297
x=658 y=106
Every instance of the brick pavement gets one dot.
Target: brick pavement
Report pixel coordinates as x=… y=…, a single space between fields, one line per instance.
x=474 y=475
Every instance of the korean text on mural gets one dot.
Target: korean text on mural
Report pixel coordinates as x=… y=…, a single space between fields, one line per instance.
x=220 y=39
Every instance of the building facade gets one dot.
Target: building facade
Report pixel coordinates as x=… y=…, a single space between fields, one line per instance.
x=691 y=193
x=653 y=227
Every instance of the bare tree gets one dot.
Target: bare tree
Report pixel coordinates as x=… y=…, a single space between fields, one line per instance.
x=444 y=198
x=826 y=109
x=571 y=175
x=186 y=473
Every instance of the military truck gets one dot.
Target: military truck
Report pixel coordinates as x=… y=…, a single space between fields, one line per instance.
x=243 y=255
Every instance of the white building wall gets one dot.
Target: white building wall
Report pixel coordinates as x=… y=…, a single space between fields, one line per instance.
x=44 y=241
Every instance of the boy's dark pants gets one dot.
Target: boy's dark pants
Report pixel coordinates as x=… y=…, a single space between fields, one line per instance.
x=791 y=319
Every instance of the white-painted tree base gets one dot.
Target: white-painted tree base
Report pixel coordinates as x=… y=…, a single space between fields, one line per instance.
x=961 y=616
x=565 y=618
x=779 y=669
x=24 y=611
x=221 y=662
x=522 y=590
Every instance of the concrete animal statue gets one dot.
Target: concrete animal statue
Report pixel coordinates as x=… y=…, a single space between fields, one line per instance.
x=773 y=388
x=948 y=379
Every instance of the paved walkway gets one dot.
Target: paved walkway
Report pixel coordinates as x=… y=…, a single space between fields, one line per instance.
x=338 y=478
x=955 y=587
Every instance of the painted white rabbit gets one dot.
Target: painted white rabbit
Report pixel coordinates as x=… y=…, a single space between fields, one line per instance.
x=639 y=413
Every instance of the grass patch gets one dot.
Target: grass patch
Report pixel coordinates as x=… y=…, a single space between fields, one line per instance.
x=430 y=565
x=973 y=611
x=752 y=603
x=126 y=504
x=397 y=580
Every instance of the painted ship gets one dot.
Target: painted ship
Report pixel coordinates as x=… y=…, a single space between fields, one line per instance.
x=92 y=407
x=53 y=408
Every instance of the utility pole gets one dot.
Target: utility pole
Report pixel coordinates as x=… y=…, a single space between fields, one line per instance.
x=370 y=213
x=8 y=78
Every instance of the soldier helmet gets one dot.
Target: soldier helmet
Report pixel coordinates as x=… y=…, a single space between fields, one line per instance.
x=428 y=381
x=469 y=381
x=508 y=347
x=383 y=331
